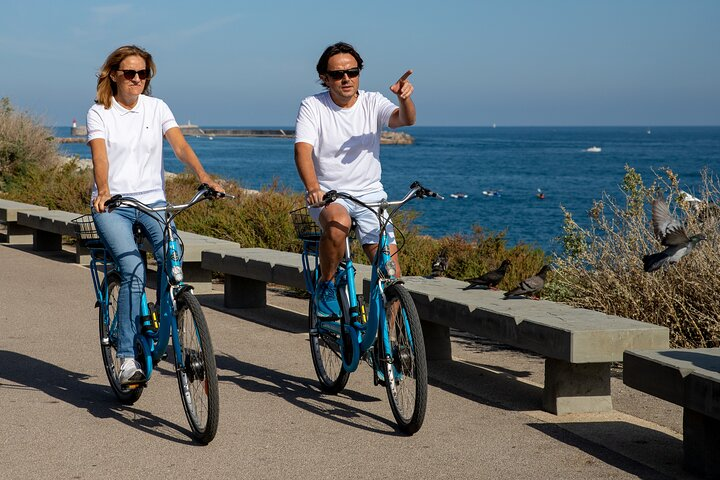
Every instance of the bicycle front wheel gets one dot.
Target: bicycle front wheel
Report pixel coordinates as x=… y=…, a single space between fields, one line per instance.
x=109 y=341
x=326 y=355
x=196 y=370
x=406 y=370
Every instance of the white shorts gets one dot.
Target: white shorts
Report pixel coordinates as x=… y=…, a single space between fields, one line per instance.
x=367 y=227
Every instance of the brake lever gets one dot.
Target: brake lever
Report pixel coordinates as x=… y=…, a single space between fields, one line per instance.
x=328 y=198
x=112 y=202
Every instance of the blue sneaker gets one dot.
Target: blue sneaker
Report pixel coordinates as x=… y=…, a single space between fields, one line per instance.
x=326 y=303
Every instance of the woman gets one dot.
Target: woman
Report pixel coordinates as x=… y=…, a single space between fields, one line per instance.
x=125 y=133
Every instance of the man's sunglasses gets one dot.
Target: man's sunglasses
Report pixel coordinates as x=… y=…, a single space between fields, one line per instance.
x=339 y=74
x=130 y=74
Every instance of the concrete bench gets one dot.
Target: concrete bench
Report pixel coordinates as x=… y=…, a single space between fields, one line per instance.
x=48 y=227
x=689 y=378
x=249 y=270
x=579 y=345
x=193 y=246
x=15 y=233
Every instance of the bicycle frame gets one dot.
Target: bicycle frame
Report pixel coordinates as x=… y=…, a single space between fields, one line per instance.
x=154 y=341
x=363 y=332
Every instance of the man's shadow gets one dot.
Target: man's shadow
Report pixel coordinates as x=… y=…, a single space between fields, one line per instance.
x=301 y=392
x=71 y=387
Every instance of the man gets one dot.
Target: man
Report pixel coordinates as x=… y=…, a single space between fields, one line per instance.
x=337 y=147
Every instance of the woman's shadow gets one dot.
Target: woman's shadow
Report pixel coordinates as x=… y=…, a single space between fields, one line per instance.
x=72 y=388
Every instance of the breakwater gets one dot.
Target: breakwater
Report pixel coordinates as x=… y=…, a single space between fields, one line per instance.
x=387 y=138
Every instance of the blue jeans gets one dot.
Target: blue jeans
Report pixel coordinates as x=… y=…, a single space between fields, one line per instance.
x=116 y=231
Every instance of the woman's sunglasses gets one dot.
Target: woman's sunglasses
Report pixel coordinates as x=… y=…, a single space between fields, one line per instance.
x=130 y=74
x=339 y=74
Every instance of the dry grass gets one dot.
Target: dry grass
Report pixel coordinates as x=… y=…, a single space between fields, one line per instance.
x=602 y=267
x=24 y=143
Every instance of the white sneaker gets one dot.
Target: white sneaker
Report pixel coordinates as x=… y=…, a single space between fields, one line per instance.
x=131 y=372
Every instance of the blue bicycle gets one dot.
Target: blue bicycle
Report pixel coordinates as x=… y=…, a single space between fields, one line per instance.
x=192 y=349
x=387 y=336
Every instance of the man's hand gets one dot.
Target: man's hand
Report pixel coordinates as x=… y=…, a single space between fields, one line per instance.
x=314 y=196
x=402 y=88
x=212 y=184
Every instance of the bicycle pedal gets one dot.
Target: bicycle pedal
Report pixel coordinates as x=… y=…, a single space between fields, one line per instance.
x=378 y=378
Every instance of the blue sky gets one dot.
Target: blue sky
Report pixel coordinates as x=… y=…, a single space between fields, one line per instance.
x=478 y=62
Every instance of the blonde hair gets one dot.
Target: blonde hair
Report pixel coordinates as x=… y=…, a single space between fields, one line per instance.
x=106 y=88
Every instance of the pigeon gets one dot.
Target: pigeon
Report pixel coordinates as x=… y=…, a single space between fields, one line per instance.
x=671 y=234
x=703 y=209
x=530 y=285
x=489 y=279
x=439 y=266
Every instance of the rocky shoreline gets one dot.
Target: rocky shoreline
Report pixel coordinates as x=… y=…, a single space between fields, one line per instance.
x=396 y=138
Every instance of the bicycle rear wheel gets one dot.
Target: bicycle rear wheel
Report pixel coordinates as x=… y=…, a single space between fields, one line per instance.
x=109 y=341
x=197 y=378
x=326 y=355
x=406 y=373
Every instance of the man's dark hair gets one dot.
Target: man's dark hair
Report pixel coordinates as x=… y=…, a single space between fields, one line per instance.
x=340 y=47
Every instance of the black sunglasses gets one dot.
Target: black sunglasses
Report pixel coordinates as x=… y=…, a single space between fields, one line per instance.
x=130 y=74
x=339 y=74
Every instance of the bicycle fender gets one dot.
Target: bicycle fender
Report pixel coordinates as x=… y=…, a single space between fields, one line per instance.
x=355 y=361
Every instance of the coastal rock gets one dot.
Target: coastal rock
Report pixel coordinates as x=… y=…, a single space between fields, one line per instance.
x=396 y=138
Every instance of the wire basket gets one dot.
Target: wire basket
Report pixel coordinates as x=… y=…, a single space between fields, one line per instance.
x=305 y=226
x=86 y=231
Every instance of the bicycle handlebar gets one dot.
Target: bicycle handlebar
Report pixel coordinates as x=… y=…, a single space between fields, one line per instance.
x=416 y=190
x=205 y=192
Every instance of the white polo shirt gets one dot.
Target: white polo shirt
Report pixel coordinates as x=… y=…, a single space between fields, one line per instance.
x=346 y=141
x=134 y=141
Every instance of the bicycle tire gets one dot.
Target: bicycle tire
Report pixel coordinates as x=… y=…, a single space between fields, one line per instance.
x=197 y=378
x=326 y=355
x=406 y=373
x=109 y=341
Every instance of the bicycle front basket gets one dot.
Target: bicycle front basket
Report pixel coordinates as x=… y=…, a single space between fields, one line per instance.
x=305 y=226
x=85 y=230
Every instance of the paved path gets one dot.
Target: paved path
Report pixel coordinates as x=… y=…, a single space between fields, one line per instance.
x=59 y=418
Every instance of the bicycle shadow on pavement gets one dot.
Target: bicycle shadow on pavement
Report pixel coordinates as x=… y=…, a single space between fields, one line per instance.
x=72 y=388
x=302 y=393
x=485 y=384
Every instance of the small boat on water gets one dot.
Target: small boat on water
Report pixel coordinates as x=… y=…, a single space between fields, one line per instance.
x=594 y=149
x=491 y=193
x=458 y=195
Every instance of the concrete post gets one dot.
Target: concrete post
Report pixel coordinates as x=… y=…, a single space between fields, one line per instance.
x=701 y=444
x=47 y=241
x=576 y=388
x=244 y=292
x=437 y=341
x=198 y=277
x=17 y=234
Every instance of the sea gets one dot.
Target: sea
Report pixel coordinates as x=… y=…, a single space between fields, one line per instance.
x=495 y=174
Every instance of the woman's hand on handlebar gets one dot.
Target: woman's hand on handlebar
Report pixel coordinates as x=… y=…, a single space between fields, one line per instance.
x=99 y=201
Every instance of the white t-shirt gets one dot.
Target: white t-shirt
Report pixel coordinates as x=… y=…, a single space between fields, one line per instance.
x=346 y=141
x=134 y=141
